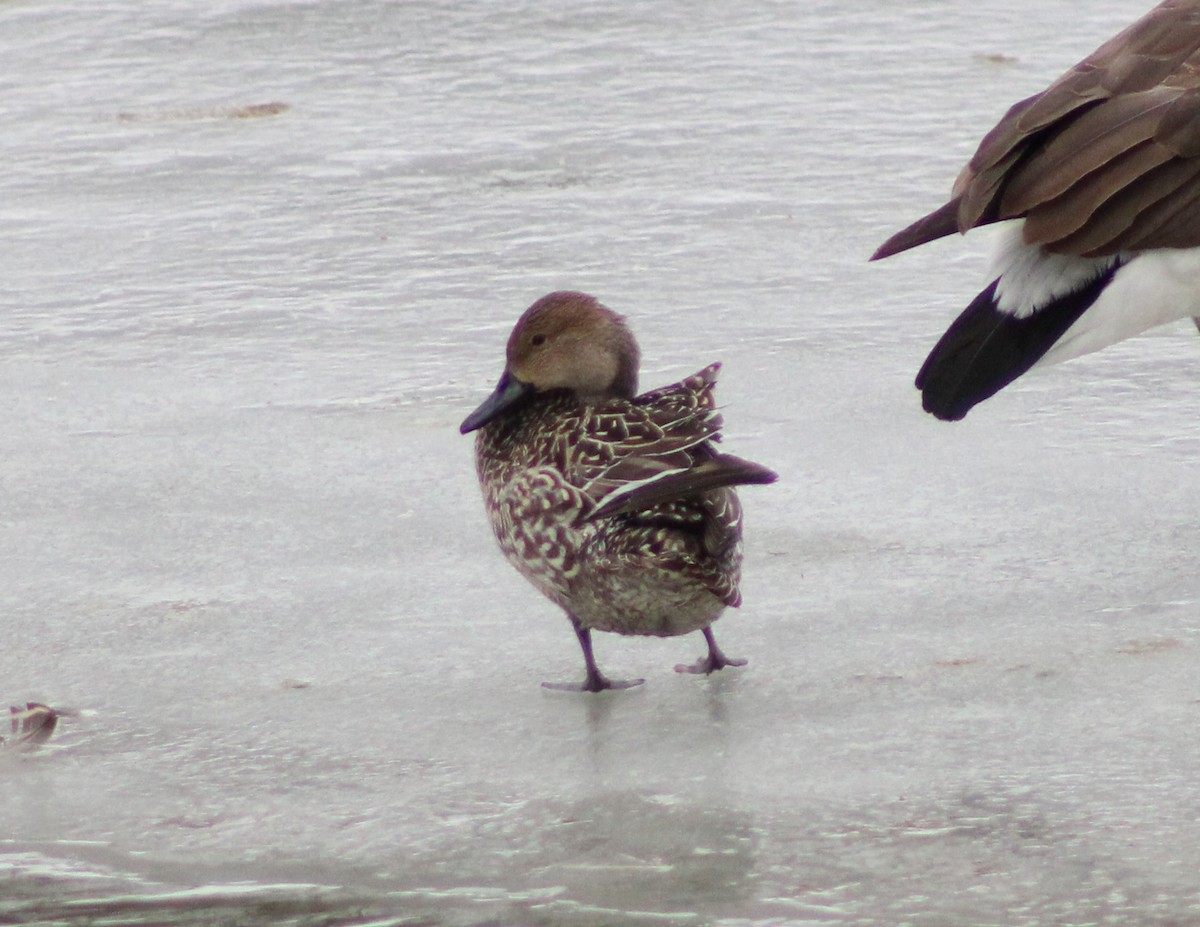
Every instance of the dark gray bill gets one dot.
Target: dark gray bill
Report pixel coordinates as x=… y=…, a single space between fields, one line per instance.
x=508 y=393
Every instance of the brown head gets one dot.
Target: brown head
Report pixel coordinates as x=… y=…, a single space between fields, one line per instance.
x=565 y=340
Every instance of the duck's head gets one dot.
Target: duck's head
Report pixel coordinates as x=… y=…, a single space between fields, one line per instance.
x=565 y=340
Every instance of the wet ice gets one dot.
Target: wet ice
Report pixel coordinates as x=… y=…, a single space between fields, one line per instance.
x=241 y=533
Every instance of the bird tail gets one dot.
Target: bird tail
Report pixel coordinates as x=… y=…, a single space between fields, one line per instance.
x=986 y=348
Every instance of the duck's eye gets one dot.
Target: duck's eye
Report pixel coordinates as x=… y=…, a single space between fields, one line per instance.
x=537 y=340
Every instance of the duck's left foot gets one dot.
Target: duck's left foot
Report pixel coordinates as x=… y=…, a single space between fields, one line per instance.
x=714 y=661
x=596 y=683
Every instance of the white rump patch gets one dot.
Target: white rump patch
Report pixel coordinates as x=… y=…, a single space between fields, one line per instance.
x=1031 y=277
x=1150 y=288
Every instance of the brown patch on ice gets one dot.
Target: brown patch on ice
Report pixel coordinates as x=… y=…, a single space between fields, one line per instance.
x=995 y=58
x=252 y=111
x=31 y=725
x=1154 y=645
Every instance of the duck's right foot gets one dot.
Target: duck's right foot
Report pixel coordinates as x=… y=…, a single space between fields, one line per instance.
x=714 y=660
x=708 y=665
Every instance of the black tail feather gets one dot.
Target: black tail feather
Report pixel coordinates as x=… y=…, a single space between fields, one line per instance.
x=986 y=349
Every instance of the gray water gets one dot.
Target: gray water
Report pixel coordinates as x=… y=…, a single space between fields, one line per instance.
x=260 y=258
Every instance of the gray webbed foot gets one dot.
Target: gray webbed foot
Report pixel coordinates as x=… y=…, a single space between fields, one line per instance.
x=595 y=681
x=714 y=660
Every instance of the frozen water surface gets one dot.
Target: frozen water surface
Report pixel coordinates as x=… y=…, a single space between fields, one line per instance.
x=241 y=535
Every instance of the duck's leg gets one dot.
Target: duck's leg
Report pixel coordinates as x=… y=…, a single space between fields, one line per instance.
x=711 y=663
x=595 y=681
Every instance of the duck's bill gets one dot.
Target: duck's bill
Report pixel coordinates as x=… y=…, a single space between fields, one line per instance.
x=509 y=392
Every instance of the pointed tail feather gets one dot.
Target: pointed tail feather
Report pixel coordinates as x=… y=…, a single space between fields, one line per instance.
x=720 y=470
x=938 y=224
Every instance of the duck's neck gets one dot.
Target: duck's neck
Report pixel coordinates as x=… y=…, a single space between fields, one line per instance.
x=625 y=383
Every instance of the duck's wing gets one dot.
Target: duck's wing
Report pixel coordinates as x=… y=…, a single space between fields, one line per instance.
x=667 y=486
x=1105 y=160
x=623 y=442
x=657 y=448
x=653 y=468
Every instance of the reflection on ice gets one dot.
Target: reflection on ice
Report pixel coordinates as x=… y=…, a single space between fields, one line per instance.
x=641 y=856
x=617 y=853
x=621 y=854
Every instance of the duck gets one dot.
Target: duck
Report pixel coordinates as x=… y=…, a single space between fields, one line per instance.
x=617 y=507
x=1095 y=182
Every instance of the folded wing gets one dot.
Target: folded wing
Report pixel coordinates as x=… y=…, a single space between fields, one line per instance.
x=659 y=449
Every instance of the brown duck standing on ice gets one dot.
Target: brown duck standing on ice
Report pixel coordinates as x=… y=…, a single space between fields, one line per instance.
x=617 y=507
x=1100 y=177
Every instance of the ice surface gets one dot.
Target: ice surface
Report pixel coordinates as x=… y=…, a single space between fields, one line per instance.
x=241 y=535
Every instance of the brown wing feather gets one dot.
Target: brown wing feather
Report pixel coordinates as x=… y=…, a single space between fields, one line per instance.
x=1174 y=216
x=1082 y=219
x=695 y=479
x=1087 y=148
x=656 y=433
x=1179 y=131
x=1146 y=206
